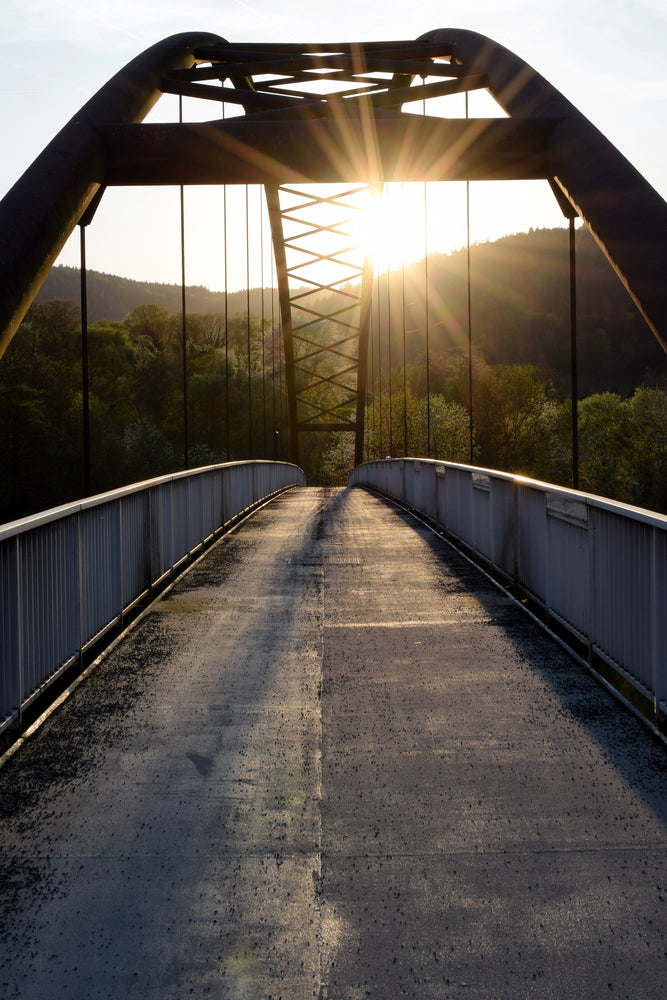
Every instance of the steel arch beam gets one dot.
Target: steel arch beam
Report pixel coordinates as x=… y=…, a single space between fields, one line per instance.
x=624 y=213
x=42 y=209
x=359 y=133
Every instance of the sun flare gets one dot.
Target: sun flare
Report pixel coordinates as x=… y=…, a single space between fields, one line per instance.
x=391 y=227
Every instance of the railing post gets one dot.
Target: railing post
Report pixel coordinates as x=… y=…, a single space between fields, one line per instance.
x=121 y=561
x=171 y=527
x=516 y=532
x=548 y=587
x=79 y=563
x=148 y=552
x=658 y=625
x=594 y=624
x=20 y=653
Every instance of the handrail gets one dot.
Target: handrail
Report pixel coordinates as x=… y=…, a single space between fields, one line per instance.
x=593 y=570
x=71 y=575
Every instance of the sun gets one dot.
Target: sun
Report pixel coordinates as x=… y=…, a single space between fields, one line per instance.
x=392 y=228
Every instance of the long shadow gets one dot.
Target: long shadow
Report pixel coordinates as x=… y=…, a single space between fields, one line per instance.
x=66 y=751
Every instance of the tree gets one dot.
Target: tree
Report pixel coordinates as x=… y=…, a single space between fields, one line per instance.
x=148 y=453
x=151 y=321
x=508 y=401
x=450 y=429
x=648 y=413
x=54 y=320
x=605 y=446
x=338 y=460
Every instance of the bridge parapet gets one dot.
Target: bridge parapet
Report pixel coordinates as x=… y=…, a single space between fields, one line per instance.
x=593 y=570
x=71 y=576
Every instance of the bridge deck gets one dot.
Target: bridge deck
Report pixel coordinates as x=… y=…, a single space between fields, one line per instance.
x=335 y=762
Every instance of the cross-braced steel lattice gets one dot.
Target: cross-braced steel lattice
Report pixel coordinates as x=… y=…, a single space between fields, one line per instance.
x=324 y=292
x=324 y=281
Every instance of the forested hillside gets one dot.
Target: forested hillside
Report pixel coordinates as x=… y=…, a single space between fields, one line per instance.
x=236 y=401
x=520 y=308
x=112 y=298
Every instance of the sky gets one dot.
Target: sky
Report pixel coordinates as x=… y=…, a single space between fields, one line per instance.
x=606 y=56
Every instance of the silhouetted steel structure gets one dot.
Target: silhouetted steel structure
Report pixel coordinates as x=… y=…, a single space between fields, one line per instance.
x=336 y=113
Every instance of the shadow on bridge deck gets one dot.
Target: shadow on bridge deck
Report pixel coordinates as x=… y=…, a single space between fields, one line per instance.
x=335 y=762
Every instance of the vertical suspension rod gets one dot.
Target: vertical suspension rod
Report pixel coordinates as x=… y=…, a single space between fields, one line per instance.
x=278 y=239
x=184 y=332
x=391 y=399
x=470 y=418
x=573 y=357
x=405 y=366
x=224 y=247
x=362 y=355
x=379 y=330
x=84 y=365
x=247 y=294
x=261 y=279
x=426 y=321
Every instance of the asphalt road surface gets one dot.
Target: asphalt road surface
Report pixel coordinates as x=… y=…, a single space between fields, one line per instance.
x=335 y=762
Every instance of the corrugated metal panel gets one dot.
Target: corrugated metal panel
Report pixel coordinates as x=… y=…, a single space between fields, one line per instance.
x=481 y=514
x=161 y=531
x=622 y=593
x=49 y=601
x=180 y=519
x=134 y=546
x=440 y=495
x=10 y=688
x=462 y=484
x=568 y=576
x=503 y=525
x=659 y=614
x=101 y=586
x=531 y=540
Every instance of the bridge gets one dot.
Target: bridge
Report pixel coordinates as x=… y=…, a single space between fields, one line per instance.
x=399 y=739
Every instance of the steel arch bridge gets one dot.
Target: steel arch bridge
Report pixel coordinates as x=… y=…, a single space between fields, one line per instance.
x=339 y=114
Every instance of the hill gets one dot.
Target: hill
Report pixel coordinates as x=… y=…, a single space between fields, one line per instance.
x=520 y=308
x=111 y=297
x=521 y=311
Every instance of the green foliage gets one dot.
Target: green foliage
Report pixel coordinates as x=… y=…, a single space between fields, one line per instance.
x=237 y=407
x=648 y=410
x=150 y=322
x=338 y=460
x=135 y=401
x=520 y=309
x=521 y=426
x=605 y=446
x=148 y=453
x=508 y=404
x=450 y=429
x=623 y=447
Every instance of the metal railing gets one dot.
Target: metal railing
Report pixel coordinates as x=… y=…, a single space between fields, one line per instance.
x=72 y=574
x=593 y=569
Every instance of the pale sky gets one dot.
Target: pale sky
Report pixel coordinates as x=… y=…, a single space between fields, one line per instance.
x=606 y=56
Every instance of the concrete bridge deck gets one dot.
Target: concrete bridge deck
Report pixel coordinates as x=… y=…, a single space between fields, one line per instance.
x=335 y=762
